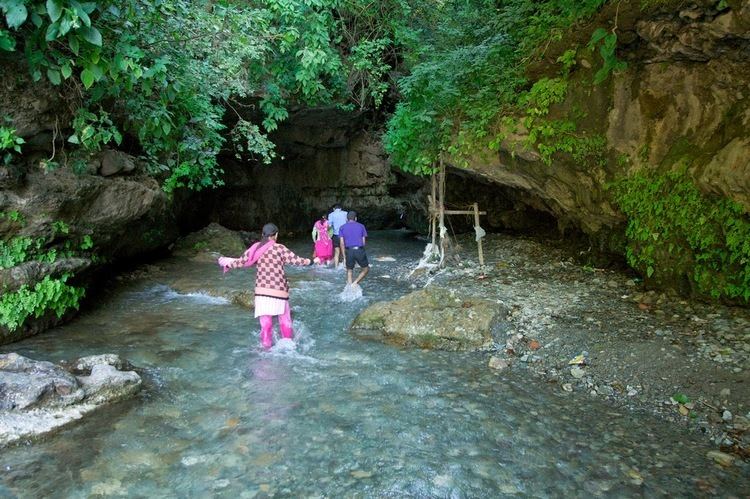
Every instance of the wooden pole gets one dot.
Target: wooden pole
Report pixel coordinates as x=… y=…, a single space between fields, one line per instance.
x=433 y=207
x=479 y=242
x=441 y=208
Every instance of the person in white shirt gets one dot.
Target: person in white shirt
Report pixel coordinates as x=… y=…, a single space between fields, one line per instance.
x=337 y=218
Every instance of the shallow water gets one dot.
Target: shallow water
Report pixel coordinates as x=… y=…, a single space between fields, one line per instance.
x=333 y=417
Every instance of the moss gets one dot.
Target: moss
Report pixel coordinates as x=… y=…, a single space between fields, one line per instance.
x=682 y=151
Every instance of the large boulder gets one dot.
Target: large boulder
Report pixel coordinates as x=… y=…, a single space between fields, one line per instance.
x=211 y=239
x=432 y=318
x=37 y=397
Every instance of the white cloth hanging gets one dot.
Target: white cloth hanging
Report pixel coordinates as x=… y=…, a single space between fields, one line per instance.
x=480 y=233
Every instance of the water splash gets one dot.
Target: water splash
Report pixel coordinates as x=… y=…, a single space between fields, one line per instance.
x=351 y=293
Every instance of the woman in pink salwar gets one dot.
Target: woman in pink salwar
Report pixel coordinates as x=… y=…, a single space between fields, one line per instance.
x=321 y=235
x=271 y=285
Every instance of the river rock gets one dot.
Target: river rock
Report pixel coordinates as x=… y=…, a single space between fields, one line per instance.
x=432 y=318
x=27 y=384
x=498 y=364
x=720 y=458
x=37 y=397
x=84 y=365
x=107 y=384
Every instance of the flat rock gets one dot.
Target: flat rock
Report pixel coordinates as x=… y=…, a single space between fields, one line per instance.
x=37 y=397
x=432 y=318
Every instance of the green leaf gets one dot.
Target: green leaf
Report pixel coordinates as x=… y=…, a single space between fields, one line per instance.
x=6 y=42
x=66 y=71
x=73 y=139
x=15 y=13
x=91 y=35
x=54 y=10
x=54 y=76
x=74 y=44
x=80 y=12
x=681 y=398
x=596 y=36
x=52 y=31
x=65 y=24
x=87 y=78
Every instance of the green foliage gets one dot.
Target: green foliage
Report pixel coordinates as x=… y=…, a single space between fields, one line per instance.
x=94 y=131
x=13 y=216
x=51 y=293
x=468 y=74
x=163 y=71
x=16 y=251
x=681 y=398
x=48 y=294
x=607 y=42
x=9 y=143
x=368 y=69
x=248 y=138
x=674 y=228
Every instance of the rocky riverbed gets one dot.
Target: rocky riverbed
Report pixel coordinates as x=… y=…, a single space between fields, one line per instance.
x=600 y=332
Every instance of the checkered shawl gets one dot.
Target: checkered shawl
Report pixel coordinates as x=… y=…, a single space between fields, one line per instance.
x=270 y=279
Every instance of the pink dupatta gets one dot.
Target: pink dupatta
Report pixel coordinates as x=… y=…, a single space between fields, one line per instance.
x=251 y=256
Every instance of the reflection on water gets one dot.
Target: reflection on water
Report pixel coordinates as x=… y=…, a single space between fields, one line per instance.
x=332 y=416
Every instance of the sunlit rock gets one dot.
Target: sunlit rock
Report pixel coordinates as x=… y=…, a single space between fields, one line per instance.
x=432 y=318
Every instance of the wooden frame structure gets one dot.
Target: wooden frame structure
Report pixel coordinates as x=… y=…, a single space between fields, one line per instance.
x=438 y=212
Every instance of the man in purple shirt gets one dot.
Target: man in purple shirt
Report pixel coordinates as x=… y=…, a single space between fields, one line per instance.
x=352 y=236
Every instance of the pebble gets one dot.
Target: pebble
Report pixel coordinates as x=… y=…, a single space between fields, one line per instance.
x=567 y=387
x=720 y=458
x=726 y=416
x=498 y=364
x=577 y=372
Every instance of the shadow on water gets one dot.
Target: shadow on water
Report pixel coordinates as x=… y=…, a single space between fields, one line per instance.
x=332 y=417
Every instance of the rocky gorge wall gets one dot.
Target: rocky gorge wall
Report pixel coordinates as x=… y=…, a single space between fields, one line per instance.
x=682 y=104
x=59 y=227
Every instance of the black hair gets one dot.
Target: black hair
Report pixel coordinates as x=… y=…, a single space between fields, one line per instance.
x=351 y=215
x=268 y=230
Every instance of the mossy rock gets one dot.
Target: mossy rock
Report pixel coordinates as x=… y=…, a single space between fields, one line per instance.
x=213 y=238
x=432 y=318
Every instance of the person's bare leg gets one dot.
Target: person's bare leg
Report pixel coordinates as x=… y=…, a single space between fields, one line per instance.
x=360 y=276
x=336 y=257
x=348 y=276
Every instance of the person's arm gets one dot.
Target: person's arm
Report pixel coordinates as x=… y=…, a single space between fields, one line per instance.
x=341 y=242
x=289 y=257
x=314 y=233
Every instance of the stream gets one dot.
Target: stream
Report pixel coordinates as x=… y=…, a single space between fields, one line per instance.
x=333 y=417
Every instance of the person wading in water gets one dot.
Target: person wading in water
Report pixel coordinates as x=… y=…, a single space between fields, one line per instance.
x=271 y=285
x=353 y=235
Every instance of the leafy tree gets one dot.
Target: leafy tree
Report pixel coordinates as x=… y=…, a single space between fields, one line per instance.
x=468 y=74
x=163 y=72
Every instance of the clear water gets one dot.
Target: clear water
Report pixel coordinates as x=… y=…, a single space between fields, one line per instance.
x=336 y=417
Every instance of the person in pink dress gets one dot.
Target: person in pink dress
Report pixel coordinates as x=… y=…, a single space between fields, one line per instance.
x=271 y=285
x=321 y=235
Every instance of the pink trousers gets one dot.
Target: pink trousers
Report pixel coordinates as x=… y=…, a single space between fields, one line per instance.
x=266 y=327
